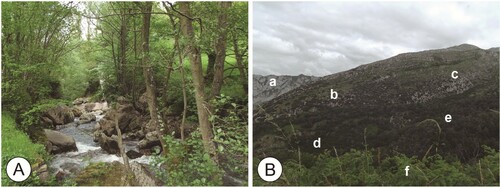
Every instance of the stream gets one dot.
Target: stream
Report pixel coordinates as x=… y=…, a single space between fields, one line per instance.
x=88 y=150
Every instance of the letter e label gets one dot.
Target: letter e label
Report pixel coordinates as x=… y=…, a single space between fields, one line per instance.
x=447 y=118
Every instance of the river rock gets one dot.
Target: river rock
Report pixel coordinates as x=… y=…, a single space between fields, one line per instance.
x=107 y=143
x=135 y=135
x=89 y=106
x=60 y=175
x=58 y=142
x=100 y=106
x=98 y=112
x=71 y=167
x=132 y=154
x=44 y=176
x=41 y=170
x=144 y=176
x=142 y=104
x=147 y=144
x=129 y=120
x=97 y=126
x=58 y=115
x=79 y=101
x=87 y=118
x=46 y=122
x=76 y=111
x=122 y=100
x=109 y=175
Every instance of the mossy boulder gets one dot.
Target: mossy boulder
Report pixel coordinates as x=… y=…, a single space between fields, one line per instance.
x=105 y=174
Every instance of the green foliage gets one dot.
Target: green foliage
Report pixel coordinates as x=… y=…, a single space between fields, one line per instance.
x=16 y=143
x=79 y=69
x=35 y=37
x=187 y=164
x=231 y=134
x=361 y=168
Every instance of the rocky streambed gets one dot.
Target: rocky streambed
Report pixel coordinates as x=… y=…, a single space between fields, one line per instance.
x=91 y=138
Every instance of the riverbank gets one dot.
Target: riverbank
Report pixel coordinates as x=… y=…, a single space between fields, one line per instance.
x=16 y=143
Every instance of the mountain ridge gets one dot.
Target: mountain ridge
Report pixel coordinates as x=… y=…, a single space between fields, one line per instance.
x=389 y=98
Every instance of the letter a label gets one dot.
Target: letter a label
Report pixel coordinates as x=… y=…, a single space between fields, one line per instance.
x=272 y=82
x=18 y=169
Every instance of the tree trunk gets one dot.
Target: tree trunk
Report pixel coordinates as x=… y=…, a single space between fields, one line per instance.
x=115 y=61
x=123 y=52
x=170 y=67
x=148 y=73
x=239 y=63
x=220 y=49
x=195 y=60
x=120 y=146
x=209 y=77
x=180 y=54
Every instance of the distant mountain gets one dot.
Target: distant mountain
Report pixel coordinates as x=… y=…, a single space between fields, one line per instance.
x=263 y=92
x=397 y=105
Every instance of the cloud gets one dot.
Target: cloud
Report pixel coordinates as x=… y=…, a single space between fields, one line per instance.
x=321 y=38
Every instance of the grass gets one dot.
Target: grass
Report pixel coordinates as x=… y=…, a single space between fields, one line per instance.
x=16 y=143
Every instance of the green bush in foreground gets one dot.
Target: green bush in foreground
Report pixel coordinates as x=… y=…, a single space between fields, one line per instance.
x=359 y=168
x=16 y=143
x=187 y=164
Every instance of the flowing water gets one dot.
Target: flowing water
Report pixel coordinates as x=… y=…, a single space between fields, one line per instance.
x=88 y=150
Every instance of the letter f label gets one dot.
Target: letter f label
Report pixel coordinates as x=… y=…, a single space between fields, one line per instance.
x=407 y=168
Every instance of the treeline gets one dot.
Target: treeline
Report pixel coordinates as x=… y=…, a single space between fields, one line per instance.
x=36 y=37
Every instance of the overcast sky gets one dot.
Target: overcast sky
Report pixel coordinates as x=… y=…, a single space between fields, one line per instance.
x=291 y=38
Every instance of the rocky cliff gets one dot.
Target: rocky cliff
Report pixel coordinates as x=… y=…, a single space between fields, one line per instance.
x=262 y=91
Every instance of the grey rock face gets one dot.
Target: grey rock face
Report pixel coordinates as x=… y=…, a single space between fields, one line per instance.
x=262 y=91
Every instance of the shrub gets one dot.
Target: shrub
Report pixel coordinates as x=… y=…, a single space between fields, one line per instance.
x=32 y=116
x=357 y=168
x=231 y=135
x=186 y=163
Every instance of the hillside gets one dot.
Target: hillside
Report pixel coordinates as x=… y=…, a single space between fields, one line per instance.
x=396 y=106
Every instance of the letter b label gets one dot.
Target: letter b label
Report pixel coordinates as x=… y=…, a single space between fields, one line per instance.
x=269 y=169
x=333 y=94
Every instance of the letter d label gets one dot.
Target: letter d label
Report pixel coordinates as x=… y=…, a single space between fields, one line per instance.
x=317 y=143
